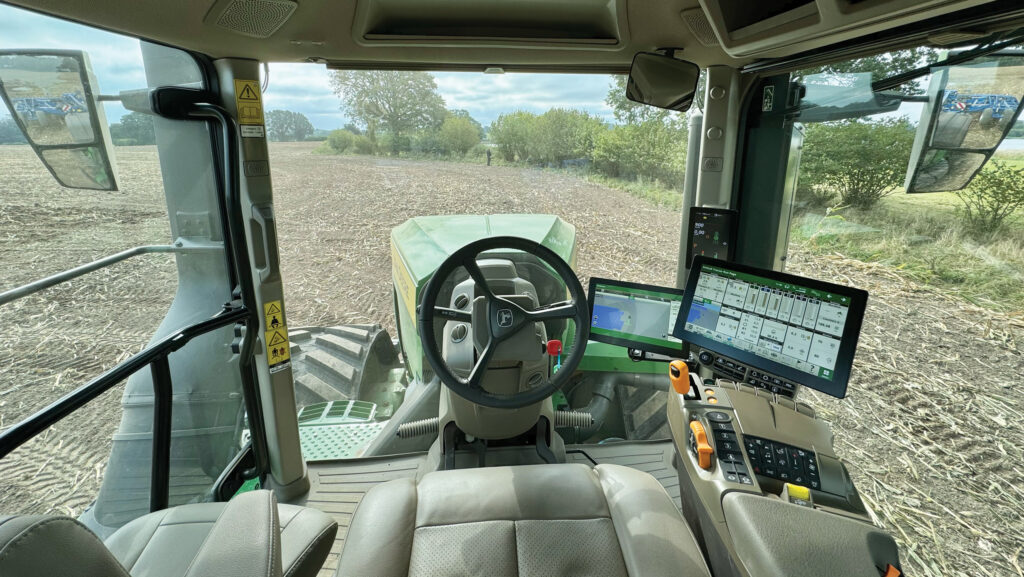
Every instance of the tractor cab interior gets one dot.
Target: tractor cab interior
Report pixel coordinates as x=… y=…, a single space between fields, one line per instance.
x=512 y=422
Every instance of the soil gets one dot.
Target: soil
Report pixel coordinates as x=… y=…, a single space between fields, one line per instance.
x=931 y=426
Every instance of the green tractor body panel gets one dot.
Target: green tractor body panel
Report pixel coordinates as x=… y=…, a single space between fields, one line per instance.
x=421 y=244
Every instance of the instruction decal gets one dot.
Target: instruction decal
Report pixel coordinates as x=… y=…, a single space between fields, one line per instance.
x=247 y=99
x=251 y=131
x=277 y=346
x=767 y=98
x=273 y=315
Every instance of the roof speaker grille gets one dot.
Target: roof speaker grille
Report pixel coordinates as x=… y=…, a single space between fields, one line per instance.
x=699 y=26
x=256 y=18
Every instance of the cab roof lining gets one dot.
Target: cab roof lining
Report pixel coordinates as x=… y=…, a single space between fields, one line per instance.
x=369 y=34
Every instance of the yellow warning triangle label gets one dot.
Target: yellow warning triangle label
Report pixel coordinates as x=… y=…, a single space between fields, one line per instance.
x=277 y=339
x=249 y=94
x=273 y=309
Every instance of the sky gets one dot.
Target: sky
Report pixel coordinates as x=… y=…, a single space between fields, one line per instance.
x=305 y=88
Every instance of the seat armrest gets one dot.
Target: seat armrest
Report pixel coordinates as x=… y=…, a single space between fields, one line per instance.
x=244 y=542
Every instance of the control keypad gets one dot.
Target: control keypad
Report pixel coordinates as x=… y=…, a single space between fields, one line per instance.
x=783 y=462
x=727 y=447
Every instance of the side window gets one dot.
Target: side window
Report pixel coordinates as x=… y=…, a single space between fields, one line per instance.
x=95 y=463
x=940 y=340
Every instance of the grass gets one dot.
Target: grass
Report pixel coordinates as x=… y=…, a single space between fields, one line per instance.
x=921 y=236
x=655 y=193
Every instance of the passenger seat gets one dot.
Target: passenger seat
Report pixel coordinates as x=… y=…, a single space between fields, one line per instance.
x=250 y=536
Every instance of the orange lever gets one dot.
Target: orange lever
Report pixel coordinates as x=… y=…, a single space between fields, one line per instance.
x=679 y=374
x=701 y=445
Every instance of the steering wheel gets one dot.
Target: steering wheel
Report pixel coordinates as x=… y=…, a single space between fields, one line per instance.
x=504 y=318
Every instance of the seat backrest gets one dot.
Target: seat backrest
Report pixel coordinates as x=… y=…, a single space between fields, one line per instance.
x=33 y=545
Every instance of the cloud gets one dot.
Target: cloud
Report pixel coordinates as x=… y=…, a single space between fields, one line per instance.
x=117 y=64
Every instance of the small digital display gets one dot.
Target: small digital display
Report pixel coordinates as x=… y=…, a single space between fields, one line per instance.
x=635 y=315
x=712 y=233
x=798 y=328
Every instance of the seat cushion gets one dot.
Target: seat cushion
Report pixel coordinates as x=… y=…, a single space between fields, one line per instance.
x=164 y=543
x=526 y=521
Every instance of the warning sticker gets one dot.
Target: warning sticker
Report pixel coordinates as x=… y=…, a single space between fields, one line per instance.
x=247 y=99
x=277 y=346
x=273 y=314
x=251 y=131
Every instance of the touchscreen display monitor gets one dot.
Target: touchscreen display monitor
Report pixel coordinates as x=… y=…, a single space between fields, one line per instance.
x=798 y=328
x=636 y=316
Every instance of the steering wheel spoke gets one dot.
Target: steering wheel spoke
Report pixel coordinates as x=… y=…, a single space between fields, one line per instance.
x=560 y=310
x=476 y=376
x=478 y=277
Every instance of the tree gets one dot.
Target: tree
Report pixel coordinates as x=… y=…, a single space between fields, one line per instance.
x=511 y=133
x=340 y=140
x=653 y=150
x=459 y=113
x=394 y=101
x=288 y=126
x=861 y=161
x=10 y=133
x=458 y=134
x=134 y=129
x=625 y=110
x=561 y=134
x=995 y=194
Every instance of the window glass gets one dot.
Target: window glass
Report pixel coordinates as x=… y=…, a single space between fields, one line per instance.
x=348 y=179
x=61 y=337
x=938 y=354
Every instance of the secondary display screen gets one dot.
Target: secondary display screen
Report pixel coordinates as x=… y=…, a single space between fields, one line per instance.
x=635 y=315
x=797 y=328
x=712 y=233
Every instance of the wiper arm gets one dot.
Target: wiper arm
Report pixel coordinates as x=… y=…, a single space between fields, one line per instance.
x=903 y=77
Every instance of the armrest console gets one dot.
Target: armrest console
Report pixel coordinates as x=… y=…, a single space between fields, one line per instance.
x=773 y=538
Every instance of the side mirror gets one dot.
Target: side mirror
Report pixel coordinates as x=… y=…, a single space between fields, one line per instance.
x=662 y=81
x=970 y=110
x=50 y=94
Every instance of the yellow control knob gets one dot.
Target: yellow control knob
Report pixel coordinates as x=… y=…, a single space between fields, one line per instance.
x=700 y=445
x=679 y=374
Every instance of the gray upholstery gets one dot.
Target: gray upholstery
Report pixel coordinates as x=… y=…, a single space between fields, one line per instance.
x=829 y=544
x=250 y=536
x=526 y=521
x=37 y=545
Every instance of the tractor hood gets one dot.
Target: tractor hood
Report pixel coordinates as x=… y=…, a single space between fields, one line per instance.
x=421 y=244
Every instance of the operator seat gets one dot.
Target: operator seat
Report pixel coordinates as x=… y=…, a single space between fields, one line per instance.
x=527 y=521
x=249 y=536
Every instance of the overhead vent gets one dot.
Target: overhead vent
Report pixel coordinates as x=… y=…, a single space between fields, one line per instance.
x=489 y=21
x=256 y=18
x=699 y=26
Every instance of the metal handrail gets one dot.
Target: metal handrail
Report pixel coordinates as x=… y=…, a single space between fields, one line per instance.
x=62 y=277
x=41 y=420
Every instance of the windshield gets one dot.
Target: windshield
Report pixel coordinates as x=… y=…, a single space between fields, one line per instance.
x=362 y=161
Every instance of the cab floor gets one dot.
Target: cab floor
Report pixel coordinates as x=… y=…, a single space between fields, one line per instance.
x=336 y=487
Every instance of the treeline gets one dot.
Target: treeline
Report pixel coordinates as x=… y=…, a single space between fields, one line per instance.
x=652 y=150
x=401 y=113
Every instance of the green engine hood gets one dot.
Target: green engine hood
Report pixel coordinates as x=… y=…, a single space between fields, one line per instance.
x=421 y=244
